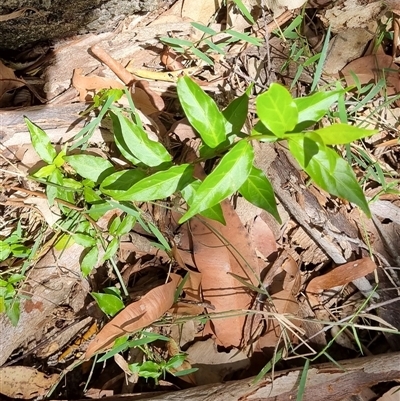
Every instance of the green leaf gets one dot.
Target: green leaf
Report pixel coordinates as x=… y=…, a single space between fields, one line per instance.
x=312 y=108
x=202 y=56
x=277 y=110
x=245 y=37
x=5 y=250
x=258 y=190
x=339 y=134
x=108 y=303
x=45 y=171
x=214 y=213
x=230 y=174
x=112 y=249
x=91 y=167
x=118 y=183
x=90 y=195
x=13 y=311
x=84 y=239
x=236 y=112
x=245 y=12
x=202 y=112
x=203 y=28
x=126 y=225
x=217 y=48
x=175 y=361
x=159 y=185
x=41 y=142
x=114 y=224
x=133 y=140
x=327 y=169
x=89 y=260
x=176 y=41
x=150 y=369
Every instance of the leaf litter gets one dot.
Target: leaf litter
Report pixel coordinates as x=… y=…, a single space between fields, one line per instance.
x=234 y=271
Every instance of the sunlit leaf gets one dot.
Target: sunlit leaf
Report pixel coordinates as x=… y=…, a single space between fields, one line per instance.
x=338 y=134
x=230 y=174
x=89 y=260
x=202 y=112
x=41 y=142
x=131 y=139
x=159 y=185
x=88 y=166
x=328 y=170
x=277 y=110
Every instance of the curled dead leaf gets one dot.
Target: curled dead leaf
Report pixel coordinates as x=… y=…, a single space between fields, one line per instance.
x=136 y=316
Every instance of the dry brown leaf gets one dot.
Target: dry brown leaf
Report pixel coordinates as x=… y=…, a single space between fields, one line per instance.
x=17 y=14
x=24 y=382
x=341 y=275
x=8 y=80
x=200 y=11
x=392 y=395
x=262 y=237
x=219 y=250
x=136 y=316
x=372 y=68
x=89 y=83
x=84 y=83
x=284 y=276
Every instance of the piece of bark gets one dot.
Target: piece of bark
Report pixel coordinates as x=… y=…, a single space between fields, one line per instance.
x=61 y=122
x=324 y=382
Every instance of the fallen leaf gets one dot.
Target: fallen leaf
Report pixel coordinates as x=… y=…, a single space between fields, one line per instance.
x=200 y=11
x=17 y=14
x=136 y=316
x=391 y=395
x=24 y=382
x=219 y=250
x=8 y=80
x=283 y=284
x=372 y=68
x=341 y=275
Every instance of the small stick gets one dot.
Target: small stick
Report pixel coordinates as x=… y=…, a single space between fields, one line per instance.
x=121 y=72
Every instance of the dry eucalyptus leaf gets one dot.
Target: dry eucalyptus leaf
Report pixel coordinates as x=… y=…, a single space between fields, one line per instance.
x=8 y=80
x=341 y=275
x=136 y=316
x=24 y=382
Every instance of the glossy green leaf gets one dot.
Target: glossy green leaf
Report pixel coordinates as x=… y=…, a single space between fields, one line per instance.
x=214 y=213
x=91 y=167
x=258 y=190
x=277 y=110
x=328 y=170
x=89 y=260
x=84 y=239
x=108 y=303
x=202 y=112
x=45 y=171
x=118 y=183
x=126 y=225
x=41 y=142
x=230 y=174
x=131 y=138
x=159 y=185
x=312 y=108
x=114 y=224
x=236 y=112
x=71 y=183
x=90 y=195
x=112 y=249
x=339 y=134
